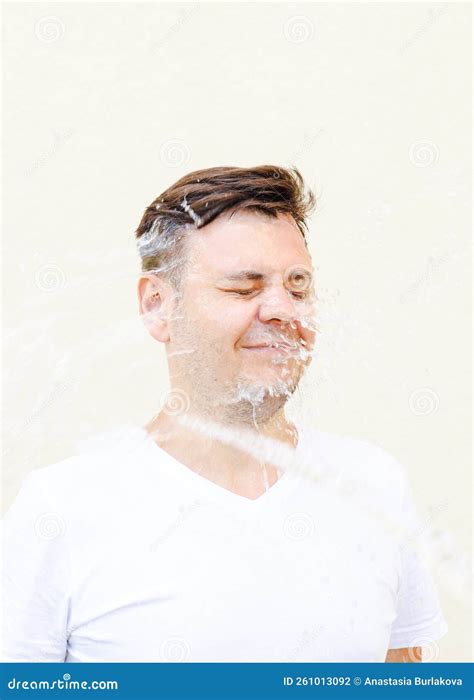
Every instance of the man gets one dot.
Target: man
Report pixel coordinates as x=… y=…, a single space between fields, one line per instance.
x=221 y=531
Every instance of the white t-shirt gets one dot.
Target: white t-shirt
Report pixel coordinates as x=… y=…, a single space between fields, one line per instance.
x=121 y=553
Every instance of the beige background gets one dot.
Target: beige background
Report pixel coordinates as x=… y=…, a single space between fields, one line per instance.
x=107 y=104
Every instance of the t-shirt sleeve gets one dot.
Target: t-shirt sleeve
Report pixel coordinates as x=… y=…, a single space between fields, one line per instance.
x=419 y=621
x=35 y=575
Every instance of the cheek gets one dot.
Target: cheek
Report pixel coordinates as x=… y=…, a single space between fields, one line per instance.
x=222 y=321
x=306 y=321
x=309 y=336
x=231 y=318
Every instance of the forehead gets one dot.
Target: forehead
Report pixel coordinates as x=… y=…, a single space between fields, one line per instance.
x=247 y=240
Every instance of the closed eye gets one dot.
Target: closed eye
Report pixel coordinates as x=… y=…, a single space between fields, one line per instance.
x=300 y=295
x=241 y=292
x=247 y=292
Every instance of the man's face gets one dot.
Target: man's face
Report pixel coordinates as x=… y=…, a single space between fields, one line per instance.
x=243 y=328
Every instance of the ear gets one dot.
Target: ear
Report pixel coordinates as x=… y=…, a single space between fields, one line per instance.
x=155 y=299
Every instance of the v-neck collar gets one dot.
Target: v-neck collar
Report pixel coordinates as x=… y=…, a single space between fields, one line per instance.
x=207 y=488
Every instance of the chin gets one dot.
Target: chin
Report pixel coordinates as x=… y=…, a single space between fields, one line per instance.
x=276 y=381
x=258 y=392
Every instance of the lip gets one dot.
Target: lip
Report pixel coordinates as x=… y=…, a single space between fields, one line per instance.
x=271 y=348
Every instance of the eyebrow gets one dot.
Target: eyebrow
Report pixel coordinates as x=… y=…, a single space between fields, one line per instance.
x=250 y=275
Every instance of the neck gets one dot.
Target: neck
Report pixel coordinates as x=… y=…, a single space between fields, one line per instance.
x=219 y=449
x=275 y=427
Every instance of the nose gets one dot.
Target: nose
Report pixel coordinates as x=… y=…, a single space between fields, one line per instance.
x=279 y=308
x=276 y=305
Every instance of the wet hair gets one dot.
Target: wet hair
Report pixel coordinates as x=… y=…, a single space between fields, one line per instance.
x=200 y=196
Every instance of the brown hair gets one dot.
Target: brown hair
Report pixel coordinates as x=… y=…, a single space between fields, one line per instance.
x=199 y=197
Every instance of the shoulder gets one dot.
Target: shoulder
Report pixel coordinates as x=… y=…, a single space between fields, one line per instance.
x=337 y=446
x=98 y=468
x=355 y=458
